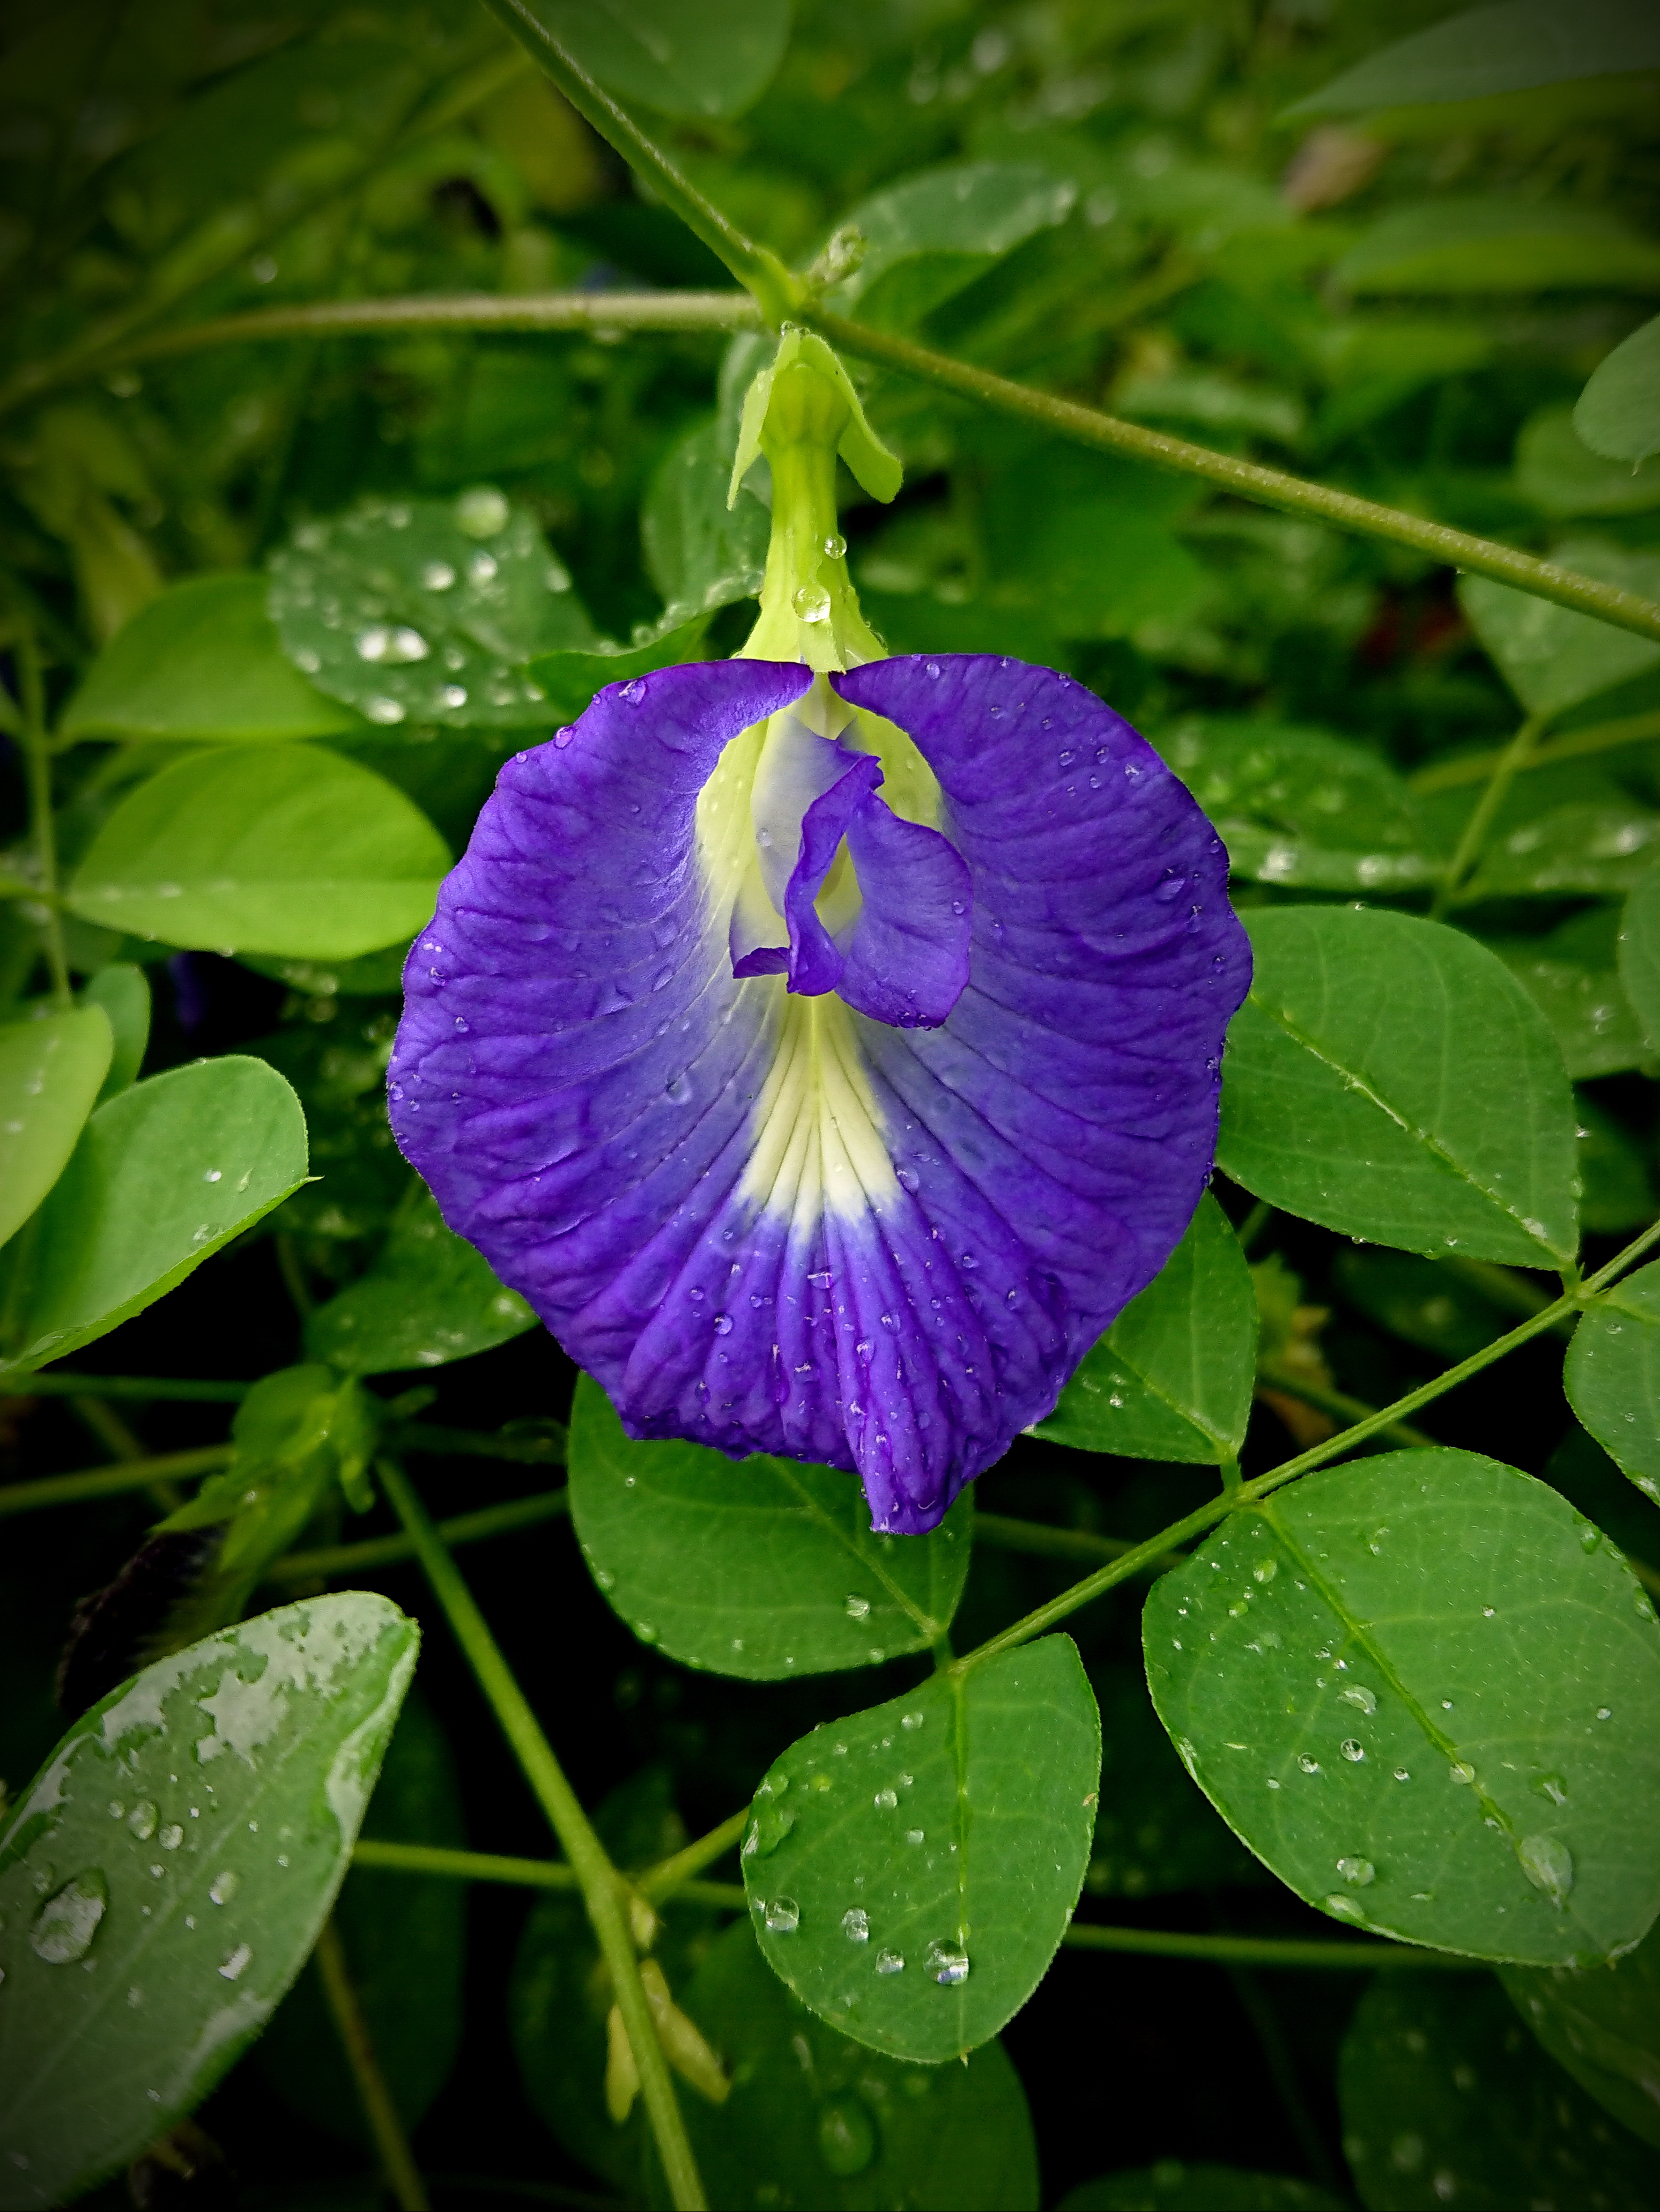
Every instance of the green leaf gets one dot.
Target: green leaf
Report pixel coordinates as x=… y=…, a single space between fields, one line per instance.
x=186 y=1838
x=1612 y=1376
x=50 y=1071
x=202 y=662
x=1170 y=2186
x=1459 y=244
x=1618 y=413
x=902 y=1866
x=1358 y=1085
x=424 y=610
x=1485 y=50
x=123 y=992
x=1154 y=1831
x=691 y=57
x=790 y=1580
x=932 y=233
x=429 y=1298
x=292 y=850
x=404 y=1938
x=569 y=680
x=814 y=2120
x=1572 y=975
x=1299 y=807
x=1603 y=2027
x=699 y=553
x=1551 y=658
x=1419 y=1301
x=1639 y=954
x=1172 y=1378
x=1426 y=1694
x=162 y=1177
x=1587 y=847
x=1446 y=2098
x=1555 y=469
x=1617 y=1190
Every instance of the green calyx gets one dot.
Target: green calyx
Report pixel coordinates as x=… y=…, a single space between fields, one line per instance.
x=801 y=412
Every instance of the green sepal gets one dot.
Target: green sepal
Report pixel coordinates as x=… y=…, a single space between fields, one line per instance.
x=878 y=472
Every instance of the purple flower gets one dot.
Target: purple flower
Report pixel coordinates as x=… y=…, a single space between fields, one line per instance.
x=811 y=1124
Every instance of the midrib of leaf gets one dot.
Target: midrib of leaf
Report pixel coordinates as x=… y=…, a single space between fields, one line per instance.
x=923 y=1623
x=962 y=1816
x=1354 y=1080
x=1361 y=1636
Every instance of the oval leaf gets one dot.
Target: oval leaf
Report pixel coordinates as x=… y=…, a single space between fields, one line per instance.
x=1428 y=1696
x=122 y=991
x=1483 y=52
x=912 y=1869
x=1493 y=244
x=1358 y=1087
x=1612 y=1375
x=51 y=1072
x=1172 y=1378
x=427 y=1299
x=1604 y=2028
x=164 y=1174
x=815 y=2119
x=1618 y=413
x=1551 y=657
x=294 y=851
x=201 y=661
x=185 y=1840
x=703 y=58
x=790 y=1578
x=1640 y=955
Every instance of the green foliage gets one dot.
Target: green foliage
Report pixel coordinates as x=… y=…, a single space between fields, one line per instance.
x=1511 y=46
x=1461 y=245
x=1154 y=1833
x=791 y=1581
x=125 y=995
x=1618 y=413
x=925 y=239
x=1551 y=658
x=427 y=1297
x=709 y=59
x=296 y=850
x=1603 y=2027
x=1423 y=1690
x=1446 y=2099
x=201 y=1891
x=1357 y=1085
x=1170 y=2187
x=1172 y=1378
x=1612 y=1375
x=911 y=1868
x=52 y=1070
x=1639 y=954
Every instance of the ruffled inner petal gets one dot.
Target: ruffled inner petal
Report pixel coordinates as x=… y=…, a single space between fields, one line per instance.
x=907 y=955
x=816 y=960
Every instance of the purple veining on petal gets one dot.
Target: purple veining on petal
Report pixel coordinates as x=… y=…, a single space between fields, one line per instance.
x=816 y=961
x=765 y=1222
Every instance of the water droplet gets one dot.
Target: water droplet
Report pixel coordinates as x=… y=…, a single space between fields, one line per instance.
x=171 y=1837
x=913 y=1836
x=912 y=1720
x=1549 y=1865
x=118 y=1810
x=1604 y=1713
x=857 y=1608
x=783 y=1915
x=481 y=568
x=723 y=1324
x=224 y=1887
x=234 y=1965
x=142 y=1820
x=946 y=1962
x=1357 y=1873
x=855 y=1924
x=385 y=710
x=933 y=670
x=886 y=1800
x=847 y=2137
x=1553 y=1787
x=371 y=642
x=1402 y=1774
x=453 y=695
x=772 y=1823
x=1589 y=1537
x=62 y=1930
x=811 y=602
x=890 y=1962
x=481 y=512
x=1352 y=1751
x=438 y=575
x=1309 y=1766
x=1461 y=1773
x=1265 y=1571
x=835 y=546
x=1344 y=1907
x=1356 y=1696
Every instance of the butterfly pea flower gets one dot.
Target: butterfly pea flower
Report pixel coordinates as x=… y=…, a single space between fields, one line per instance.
x=827 y=1043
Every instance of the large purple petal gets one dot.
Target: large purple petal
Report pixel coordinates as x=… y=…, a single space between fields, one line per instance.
x=908 y=952
x=816 y=962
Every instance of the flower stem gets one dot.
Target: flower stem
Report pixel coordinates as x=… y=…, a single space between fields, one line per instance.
x=391 y=2145
x=1206 y=1517
x=602 y=1892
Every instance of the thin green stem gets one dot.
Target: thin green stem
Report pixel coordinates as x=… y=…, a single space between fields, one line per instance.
x=601 y=1888
x=523 y=1873
x=110 y=1482
x=387 y=1551
x=391 y=2145
x=777 y=290
x=61 y=1383
x=1253 y=1225
x=1573 y=744
x=546 y=1447
x=671 y=1875
x=1195 y=1524
x=37 y=762
x=1473 y=834
x=1355 y=1954
x=1338 y=1404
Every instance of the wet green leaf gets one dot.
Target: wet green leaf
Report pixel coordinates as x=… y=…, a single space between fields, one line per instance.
x=843 y=2126
x=1572 y=976
x=1551 y=658
x=201 y=662
x=569 y=680
x=163 y=1176
x=790 y=1581
x=1424 y=1690
x=1460 y=245
x=1587 y=849
x=425 y=610
x=1612 y=1375
x=1618 y=413
x=1357 y=1083
x=51 y=1068
x=699 y=553
x=929 y=235
x=693 y=57
x=1446 y=2099
x=427 y=1297
x=1639 y=953
x=1617 y=1188
x=1603 y=2027
x=1557 y=470
x=902 y=1863
x=124 y=992
x=293 y=849
x=1170 y=2186
x=1419 y=1301
x=404 y=1938
x=1172 y=1378
x=1481 y=51
x=165 y=1875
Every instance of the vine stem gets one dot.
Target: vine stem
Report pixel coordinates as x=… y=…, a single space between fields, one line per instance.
x=1516 y=755
x=1207 y=1515
x=596 y=1877
x=391 y=2145
x=110 y=1482
x=1572 y=745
